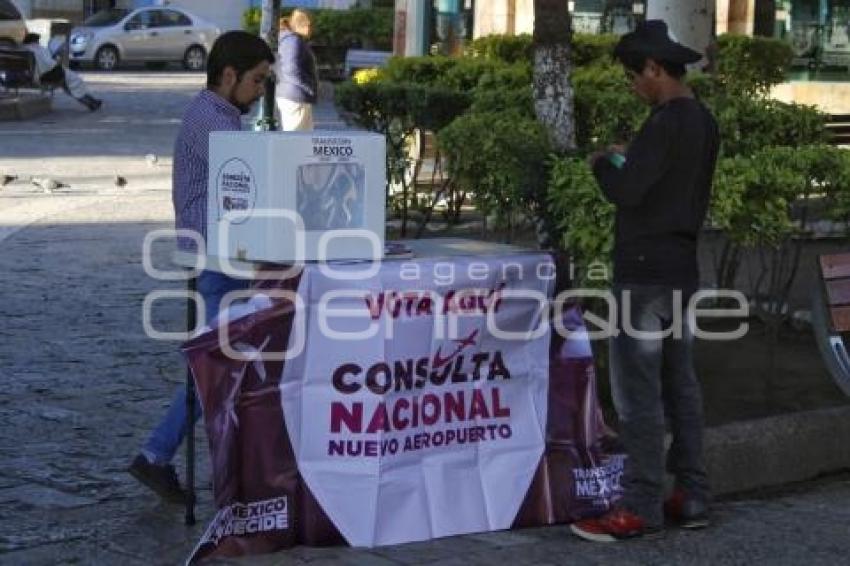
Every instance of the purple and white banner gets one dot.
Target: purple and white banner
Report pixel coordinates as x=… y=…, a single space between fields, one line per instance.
x=420 y=412
x=416 y=399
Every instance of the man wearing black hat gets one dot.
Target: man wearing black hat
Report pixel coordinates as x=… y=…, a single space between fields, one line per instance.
x=661 y=187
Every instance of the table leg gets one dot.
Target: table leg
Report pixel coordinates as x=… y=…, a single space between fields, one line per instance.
x=191 y=320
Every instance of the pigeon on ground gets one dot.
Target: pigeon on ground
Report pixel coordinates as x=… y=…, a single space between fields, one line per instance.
x=47 y=184
x=6 y=179
x=120 y=181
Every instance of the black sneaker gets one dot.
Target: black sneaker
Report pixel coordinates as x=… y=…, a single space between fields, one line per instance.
x=686 y=512
x=161 y=479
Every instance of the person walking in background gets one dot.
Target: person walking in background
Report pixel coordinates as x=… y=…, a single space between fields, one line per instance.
x=297 y=81
x=238 y=66
x=50 y=72
x=661 y=187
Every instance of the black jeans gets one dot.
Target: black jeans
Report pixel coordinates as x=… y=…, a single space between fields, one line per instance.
x=653 y=377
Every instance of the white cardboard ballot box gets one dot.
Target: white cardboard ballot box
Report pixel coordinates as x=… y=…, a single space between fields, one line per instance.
x=287 y=196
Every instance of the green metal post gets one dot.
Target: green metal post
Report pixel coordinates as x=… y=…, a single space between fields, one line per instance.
x=269 y=31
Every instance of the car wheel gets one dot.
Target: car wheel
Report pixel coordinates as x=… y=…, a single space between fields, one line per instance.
x=195 y=58
x=106 y=58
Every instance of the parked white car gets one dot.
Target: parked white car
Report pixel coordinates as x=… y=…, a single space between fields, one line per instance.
x=148 y=35
x=12 y=26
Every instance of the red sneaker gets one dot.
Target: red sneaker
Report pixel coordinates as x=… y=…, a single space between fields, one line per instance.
x=686 y=512
x=614 y=525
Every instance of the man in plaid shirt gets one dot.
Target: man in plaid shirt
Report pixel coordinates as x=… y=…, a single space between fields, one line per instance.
x=237 y=69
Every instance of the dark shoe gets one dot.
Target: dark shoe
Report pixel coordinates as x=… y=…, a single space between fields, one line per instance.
x=686 y=512
x=617 y=524
x=161 y=479
x=91 y=102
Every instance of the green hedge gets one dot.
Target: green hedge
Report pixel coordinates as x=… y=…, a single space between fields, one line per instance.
x=756 y=199
x=378 y=105
x=501 y=156
x=587 y=49
x=450 y=72
x=370 y=28
x=418 y=70
x=748 y=125
x=486 y=125
x=583 y=218
x=751 y=65
x=606 y=112
x=593 y=49
x=505 y=89
x=505 y=48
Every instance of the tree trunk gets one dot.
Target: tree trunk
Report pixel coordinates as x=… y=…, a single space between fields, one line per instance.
x=553 y=97
x=553 y=93
x=765 y=18
x=690 y=21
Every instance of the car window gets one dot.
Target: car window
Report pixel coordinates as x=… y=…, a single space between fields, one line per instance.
x=106 y=18
x=8 y=11
x=174 y=18
x=142 y=20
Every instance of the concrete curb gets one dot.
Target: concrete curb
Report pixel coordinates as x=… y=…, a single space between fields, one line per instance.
x=777 y=450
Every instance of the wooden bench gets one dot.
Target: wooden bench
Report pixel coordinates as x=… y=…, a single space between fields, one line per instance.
x=838 y=128
x=364 y=59
x=831 y=315
x=17 y=69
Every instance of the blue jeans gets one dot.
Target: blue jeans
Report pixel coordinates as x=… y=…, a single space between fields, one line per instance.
x=165 y=439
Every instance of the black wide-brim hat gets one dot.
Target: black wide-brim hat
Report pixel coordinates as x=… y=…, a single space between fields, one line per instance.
x=651 y=39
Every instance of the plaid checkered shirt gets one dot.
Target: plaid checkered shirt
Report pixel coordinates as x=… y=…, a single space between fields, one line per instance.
x=207 y=112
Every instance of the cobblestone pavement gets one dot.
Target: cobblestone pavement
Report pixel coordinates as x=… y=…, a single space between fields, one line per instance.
x=82 y=384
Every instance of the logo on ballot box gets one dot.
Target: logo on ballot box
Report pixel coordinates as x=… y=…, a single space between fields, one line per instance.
x=236 y=190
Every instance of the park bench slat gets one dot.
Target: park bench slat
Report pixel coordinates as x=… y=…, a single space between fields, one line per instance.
x=831 y=315
x=838 y=292
x=837 y=128
x=835 y=266
x=840 y=318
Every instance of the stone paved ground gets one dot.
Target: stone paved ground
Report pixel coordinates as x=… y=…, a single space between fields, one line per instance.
x=81 y=384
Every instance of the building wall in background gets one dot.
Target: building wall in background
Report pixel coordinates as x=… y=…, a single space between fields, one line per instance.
x=73 y=10
x=691 y=22
x=589 y=16
x=523 y=16
x=495 y=17
x=735 y=16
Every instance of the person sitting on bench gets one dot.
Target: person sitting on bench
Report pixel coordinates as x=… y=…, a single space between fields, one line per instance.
x=51 y=72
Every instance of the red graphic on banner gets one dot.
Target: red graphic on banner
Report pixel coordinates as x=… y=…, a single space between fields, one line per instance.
x=429 y=303
x=440 y=361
